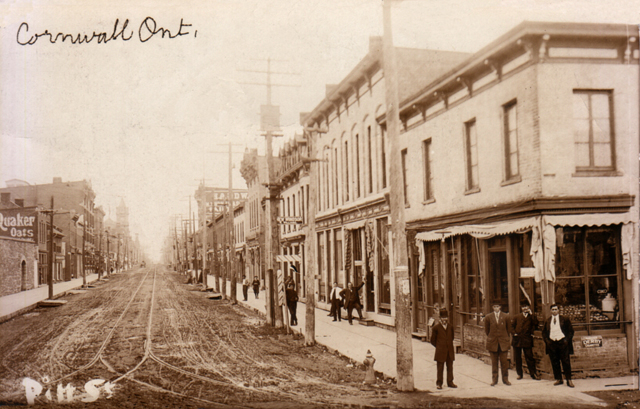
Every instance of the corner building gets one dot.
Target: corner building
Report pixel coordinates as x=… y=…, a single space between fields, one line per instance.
x=521 y=184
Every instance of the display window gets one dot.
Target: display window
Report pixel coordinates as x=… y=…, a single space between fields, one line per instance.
x=587 y=276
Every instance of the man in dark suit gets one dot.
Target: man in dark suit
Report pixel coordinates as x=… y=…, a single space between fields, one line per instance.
x=351 y=298
x=497 y=326
x=557 y=334
x=522 y=327
x=442 y=339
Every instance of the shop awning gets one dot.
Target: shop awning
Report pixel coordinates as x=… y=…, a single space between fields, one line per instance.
x=481 y=231
x=288 y=258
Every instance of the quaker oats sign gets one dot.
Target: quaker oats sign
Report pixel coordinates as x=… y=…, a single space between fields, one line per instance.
x=19 y=224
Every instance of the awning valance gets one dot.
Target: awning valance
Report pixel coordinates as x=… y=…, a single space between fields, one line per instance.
x=595 y=219
x=481 y=231
x=288 y=258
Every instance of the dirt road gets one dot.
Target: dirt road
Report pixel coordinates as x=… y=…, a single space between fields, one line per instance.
x=153 y=339
x=147 y=339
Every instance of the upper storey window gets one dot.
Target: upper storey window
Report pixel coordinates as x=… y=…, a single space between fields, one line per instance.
x=593 y=131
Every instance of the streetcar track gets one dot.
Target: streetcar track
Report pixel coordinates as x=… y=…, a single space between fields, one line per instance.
x=108 y=338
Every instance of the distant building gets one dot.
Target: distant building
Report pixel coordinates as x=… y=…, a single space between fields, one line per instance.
x=75 y=218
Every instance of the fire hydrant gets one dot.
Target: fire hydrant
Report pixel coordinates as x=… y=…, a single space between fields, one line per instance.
x=370 y=376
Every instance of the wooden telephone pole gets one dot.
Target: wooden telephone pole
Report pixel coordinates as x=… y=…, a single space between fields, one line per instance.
x=311 y=239
x=404 y=348
x=270 y=125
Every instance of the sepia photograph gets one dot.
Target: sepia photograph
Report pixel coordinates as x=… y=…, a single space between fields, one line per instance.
x=329 y=204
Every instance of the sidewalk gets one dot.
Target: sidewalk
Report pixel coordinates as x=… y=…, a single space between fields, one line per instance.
x=472 y=376
x=15 y=304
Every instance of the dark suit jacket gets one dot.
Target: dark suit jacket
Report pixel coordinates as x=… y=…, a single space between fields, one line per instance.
x=497 y=332
x=522 y=329
x=442 y=339
x=567 y=330
x=351 y=296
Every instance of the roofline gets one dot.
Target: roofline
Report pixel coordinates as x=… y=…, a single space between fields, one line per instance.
x=524 y=29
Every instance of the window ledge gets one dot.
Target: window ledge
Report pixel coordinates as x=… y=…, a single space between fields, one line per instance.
x=429 y=201
x=472 y=191
x=596 y=173
x=512 y=181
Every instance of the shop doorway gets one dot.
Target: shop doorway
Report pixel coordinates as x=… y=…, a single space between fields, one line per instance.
x=499 y=279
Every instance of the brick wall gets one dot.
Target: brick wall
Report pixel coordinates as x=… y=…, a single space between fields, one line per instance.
x=12 y=253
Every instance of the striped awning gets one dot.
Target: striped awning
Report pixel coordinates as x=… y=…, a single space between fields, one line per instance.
x=281 y=258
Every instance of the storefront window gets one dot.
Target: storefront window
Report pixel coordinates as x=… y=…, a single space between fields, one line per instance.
x=586 y=287
x=475 y=288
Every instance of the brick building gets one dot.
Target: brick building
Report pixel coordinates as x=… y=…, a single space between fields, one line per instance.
x=521 y=185
x=18 y=248
x=75 y=218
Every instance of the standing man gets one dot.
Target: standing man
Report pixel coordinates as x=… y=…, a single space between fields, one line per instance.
x=557 y=334
x=351 y=297
x=256 y=286
x=442 y=339
x=522 y=328
x=292 y=303
x=336 y=302
x=497 y=326
x=245 y=287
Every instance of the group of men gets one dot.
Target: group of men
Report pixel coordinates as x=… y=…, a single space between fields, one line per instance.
x=502 y=332
x=349 y=298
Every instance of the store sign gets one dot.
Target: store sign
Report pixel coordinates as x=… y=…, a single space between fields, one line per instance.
x=592 y=341
x=19 y=224
x=527 y=272
x=289 y=220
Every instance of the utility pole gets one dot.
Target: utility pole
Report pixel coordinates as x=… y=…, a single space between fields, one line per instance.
x=270 y=124
x=84 y=234
x=232 y=244
x=311 y=239
x=404 y=348
x=108 y=254
x=99 y=263
x=50 y=272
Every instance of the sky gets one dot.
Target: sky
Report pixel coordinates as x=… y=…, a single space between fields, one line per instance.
x=146 y=118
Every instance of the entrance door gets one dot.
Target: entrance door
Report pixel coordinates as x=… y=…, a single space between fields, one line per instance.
x=499 y=279
x=453 y=291
x=421 y=304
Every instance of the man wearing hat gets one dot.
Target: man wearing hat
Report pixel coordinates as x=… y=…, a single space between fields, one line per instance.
x=522 y=328
x=497 y=326
x=442 y=339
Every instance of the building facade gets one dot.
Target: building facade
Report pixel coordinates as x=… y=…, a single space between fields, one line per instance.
x=521 y=185
x=352 y=219
x=293 y=178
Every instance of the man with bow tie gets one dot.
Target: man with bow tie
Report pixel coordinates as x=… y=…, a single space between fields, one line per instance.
x=557 y=334
x=522 y=328
x=497 y=326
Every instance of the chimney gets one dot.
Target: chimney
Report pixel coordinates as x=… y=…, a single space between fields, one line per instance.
x=20 y=202
x=57 y=180
x=5 y=197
